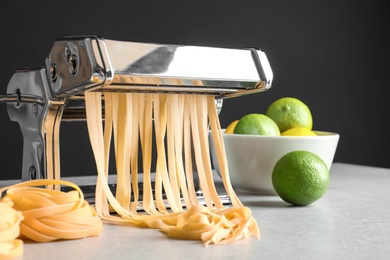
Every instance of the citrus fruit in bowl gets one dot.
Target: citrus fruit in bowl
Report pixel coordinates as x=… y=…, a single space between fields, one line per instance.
x=298 y=131
x=230 y=128
x=256 y=124
x=252 y=158
x=290 y=112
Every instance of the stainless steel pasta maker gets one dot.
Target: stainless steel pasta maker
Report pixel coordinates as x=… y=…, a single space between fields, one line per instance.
x=40 y=98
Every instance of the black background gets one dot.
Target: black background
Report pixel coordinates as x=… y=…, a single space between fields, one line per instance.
x=333 y=55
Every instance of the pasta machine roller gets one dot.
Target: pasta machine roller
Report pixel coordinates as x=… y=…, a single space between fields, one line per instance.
x=40 y=98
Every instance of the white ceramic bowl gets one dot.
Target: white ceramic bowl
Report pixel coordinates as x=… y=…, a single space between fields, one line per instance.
x=251 y=158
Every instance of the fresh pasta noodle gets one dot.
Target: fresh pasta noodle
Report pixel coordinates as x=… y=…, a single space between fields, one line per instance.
x=10 y=219
x=44 y=215
x=181 y=124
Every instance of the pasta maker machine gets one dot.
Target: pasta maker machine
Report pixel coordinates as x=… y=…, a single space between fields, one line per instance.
x=38 y=99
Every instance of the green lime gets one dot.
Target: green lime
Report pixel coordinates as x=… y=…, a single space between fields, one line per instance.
x=256 y=124
x=300 y=177
x=289 y=112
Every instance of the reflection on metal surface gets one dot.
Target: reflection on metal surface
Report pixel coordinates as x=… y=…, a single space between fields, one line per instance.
x=110 y=65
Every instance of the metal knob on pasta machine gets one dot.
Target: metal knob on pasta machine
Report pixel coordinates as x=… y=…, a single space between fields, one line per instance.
x=39 y=99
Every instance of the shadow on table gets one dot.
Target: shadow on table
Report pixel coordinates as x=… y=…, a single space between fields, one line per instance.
x=267 y=204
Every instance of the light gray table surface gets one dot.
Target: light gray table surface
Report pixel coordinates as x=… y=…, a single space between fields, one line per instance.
x=351 y=221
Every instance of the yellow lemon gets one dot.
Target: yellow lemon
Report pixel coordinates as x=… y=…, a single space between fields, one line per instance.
x=298 y=131
x=300 y=177
x=256 y=124
x=289 y=112
x=230 y=128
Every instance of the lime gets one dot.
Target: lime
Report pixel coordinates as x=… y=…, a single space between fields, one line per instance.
x=298 y=131
x=256 y=124
x=230 y=128
x=300 y=177
x=289 y=112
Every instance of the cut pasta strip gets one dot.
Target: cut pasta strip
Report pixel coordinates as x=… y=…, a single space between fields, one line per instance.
x=205 y=150
x=189 y=171
x=220 y=151
x=123 y=144
x=162 y=177
x=146 y=142
x=197 y=152
x=178 y=138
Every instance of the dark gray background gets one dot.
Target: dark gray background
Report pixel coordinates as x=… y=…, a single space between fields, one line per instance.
x=333 y=55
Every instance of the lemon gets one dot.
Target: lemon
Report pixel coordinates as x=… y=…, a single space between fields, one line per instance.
x=256 y=124
x=298 y=131
x=300 y=177
x=289 y=112
x=230 y=128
